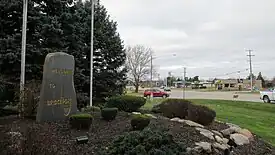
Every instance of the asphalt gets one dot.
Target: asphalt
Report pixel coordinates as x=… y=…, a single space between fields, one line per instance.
x=215 y=95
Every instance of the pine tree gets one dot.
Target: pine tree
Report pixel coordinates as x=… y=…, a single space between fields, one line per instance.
x=63 y=26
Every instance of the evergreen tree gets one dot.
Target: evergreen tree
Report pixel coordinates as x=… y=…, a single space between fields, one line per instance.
x=260 y=77
x=63 y=26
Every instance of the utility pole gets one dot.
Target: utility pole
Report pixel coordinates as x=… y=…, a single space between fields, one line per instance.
x=23 y=46
x=92 y=53
x=250 y=66
x=184 y=82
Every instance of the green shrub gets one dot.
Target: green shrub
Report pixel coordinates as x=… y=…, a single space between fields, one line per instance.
x=201 y=114
x=139 y=121
x=92 y=109
x=81 y=121
x=126 y=103
x=173 y=108
x=109 y=114
x=8 y=110
x=30 y=97
x=146 y=142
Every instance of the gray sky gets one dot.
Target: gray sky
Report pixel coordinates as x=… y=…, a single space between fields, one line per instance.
x=208 y=37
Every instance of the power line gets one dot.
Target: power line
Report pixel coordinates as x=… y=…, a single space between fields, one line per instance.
x=250 y=66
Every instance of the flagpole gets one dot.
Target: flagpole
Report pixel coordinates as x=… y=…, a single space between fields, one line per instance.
x=92 y=52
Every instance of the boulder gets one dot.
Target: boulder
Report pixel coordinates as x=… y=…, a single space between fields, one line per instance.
x=193 y=124
x=205 y=146
x=225 y=140
x=176 y=119
x=218 y=139
x=246 y=133
x=150 y=115
x=239 y=139
x=206 y=133
x=221 y=146
x=231 y=130
x=217 y=133
x=136 y=113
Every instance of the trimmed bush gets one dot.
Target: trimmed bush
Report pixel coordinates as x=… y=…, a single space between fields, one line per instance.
x=126 y=103
x=146 y=142
x=81 y=121
x=92 y=109
x=173 y=108
x=109 y=114
x=8 y=110
x=139 y=121
x=201 y=114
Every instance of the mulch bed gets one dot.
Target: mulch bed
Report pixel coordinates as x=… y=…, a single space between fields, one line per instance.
x=58 y=139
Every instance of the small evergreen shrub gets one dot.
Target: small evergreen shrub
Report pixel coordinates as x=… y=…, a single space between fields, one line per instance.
x=173 y=108
x=201 y=114
x=146 y=142
x=126 y=103
x=92 y=109
x=109 y=114
x=81 y=121
x=140 y=121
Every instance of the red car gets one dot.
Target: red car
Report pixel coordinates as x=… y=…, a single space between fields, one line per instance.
x=156 y=93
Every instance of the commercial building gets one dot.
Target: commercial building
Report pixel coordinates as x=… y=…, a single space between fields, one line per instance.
x=237 y=84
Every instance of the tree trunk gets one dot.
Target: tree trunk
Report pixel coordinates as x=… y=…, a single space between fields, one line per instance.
x=136 y=88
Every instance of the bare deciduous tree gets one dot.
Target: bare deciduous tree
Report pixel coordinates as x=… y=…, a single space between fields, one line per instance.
x=138 y=63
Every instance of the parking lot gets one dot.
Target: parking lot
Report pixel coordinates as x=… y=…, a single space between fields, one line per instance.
x=215 y=95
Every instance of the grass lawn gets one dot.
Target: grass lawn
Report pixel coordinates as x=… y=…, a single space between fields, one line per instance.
x=257 y=117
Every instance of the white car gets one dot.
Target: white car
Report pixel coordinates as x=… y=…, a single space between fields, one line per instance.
x=268 y=95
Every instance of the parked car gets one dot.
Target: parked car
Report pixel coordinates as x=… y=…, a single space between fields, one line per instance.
x=167 y=89
x=156 y=93
x=268 y=95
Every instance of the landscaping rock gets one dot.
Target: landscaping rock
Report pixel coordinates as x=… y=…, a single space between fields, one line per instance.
x=239 y=139
x=218 y=139
x=205 y=146
x=136 y=113
x=150 y=115
x=206 y=133
x=221 y=146
x=193 y=124
x=176 y=119
x=217 y=133
x=246 y=133
x=233 y=125
x=225 y=140
x=229 y=131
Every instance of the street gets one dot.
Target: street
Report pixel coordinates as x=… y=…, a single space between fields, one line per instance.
x=215 y=95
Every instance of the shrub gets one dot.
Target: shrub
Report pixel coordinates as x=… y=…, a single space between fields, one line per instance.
x=126 y=103
x=173 y=108
x=30 y=97
x=83 y=100
x=201 y=114
x=92 y=109
x=8 y=110
x=81 y=121
x=139 y=121
x=147 y=142
x=109 y=114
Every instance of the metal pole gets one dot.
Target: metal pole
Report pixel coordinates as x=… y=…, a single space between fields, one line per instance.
x=184 y=82
x=151 y=75
x=250 y=65
x=92 y=52
x=23 y=48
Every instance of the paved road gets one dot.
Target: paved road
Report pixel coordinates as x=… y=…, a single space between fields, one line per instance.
x=215 y=95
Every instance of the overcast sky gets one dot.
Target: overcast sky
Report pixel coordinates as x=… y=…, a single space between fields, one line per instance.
x=209 y=37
